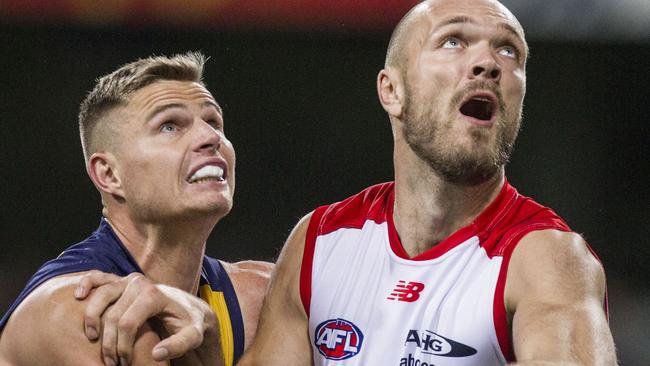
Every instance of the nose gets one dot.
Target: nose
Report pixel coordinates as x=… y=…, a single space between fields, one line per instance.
x=208 y=138
x=485 y=67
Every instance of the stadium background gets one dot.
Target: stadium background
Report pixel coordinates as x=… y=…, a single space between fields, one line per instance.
x=296 y=79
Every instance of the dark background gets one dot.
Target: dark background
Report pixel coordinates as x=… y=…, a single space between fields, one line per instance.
x=302 y=112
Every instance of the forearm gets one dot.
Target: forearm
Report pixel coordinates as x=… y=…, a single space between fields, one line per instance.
x=209 y=353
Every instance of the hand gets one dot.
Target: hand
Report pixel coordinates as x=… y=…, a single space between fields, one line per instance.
x=191 y=323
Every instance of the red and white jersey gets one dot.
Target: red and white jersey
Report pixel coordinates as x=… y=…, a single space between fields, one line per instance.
x=368 y=303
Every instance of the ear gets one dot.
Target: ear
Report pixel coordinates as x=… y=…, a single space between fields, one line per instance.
x=102 y=169
x=391 y=92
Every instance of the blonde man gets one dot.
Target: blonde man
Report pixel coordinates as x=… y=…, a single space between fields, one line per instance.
x=155 y=147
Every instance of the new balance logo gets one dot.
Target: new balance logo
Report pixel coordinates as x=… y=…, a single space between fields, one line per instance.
x=406 y=291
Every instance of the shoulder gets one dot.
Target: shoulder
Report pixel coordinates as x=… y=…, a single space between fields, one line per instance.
x=48 y=328
x=556 y=265
x=249 y=267
x=249 y=276
x=48 y=321
x=557 y=252
x=372 y=203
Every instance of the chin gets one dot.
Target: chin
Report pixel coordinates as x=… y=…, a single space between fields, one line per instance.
x=209 y=206
x=222 y=208
x=203 y=213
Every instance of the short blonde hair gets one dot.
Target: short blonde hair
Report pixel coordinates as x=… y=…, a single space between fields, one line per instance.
x=114 y=90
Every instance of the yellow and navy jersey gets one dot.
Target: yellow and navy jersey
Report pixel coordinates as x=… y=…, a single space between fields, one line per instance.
x=217 y=290
x=105 y=252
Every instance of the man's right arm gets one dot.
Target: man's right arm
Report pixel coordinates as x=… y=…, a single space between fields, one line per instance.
x=47 y=328
x=282 y=335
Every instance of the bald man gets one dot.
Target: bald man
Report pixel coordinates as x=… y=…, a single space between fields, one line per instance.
x=448 y=264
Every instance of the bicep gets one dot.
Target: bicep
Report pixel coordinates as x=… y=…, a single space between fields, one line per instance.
x=555 y=288
x=282 y=335
x=47 y=328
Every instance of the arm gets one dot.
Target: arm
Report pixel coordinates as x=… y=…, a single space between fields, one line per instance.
x=181 y=314
x=121 y=306
x=282 y=336
x=555 y=290
x=250 y=280
x=47 y=329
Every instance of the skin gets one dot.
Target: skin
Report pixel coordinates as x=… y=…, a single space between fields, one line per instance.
x=167 y=131
x=554 y=287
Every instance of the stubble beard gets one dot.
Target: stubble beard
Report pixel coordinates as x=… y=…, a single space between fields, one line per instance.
x=429 y=135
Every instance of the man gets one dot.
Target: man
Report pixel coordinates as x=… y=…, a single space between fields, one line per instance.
x=155 y=148
x=448 y=265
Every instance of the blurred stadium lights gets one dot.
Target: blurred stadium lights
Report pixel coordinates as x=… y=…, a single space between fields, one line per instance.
x=582 y=20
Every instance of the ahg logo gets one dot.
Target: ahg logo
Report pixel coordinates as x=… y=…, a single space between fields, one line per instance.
x=435 y=344
x=338 y=339
x=406 y=291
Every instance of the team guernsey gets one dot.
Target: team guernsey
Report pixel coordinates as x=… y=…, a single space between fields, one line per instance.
x=103 y=251
x=369 y=303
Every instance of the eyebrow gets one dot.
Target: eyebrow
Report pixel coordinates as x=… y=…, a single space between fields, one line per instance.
x=165 y=107
x=462 y=19
x=209 y=103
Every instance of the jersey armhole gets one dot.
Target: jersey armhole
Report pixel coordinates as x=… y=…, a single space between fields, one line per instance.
x=500 y=316
x=219 y=292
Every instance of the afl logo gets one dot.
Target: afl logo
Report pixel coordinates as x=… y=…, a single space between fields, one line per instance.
x=338 y=339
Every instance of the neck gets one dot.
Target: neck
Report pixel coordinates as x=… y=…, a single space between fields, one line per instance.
x=429 y=209
x=170 y=253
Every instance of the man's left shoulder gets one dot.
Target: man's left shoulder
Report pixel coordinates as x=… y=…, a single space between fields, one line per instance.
x=564 y=248
x=556 y=264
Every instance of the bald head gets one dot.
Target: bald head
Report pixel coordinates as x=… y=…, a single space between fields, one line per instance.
x=415 y=25
x=396 y=54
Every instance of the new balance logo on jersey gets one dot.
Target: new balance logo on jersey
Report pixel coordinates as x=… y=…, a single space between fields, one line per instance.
x=434 y=344
x=406 y=291
x=338 y=339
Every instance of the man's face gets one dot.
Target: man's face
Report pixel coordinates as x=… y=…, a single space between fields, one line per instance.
x=173 y=158
x=464 y=88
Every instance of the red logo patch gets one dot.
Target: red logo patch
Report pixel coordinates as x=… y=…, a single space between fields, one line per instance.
x=338 y=339
x=406 y=291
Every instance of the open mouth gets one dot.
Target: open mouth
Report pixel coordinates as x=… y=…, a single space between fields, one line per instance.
x=479 y=107
x=208 y=173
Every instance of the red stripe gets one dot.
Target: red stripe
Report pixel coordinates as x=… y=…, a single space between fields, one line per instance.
x=499 y=309
x=485 y=221
x=510 y=241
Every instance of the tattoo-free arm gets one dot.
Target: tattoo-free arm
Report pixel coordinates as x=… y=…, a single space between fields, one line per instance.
x=555 y=290
x=48 y=329
x=282 y=335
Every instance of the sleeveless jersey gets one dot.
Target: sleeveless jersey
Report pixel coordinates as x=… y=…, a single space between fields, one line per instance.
x=368 y=303
x=104 y=251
